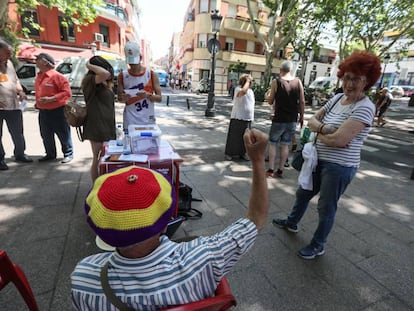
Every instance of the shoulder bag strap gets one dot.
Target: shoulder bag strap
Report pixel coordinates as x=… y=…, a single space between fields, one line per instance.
x=109 y=293
x=336 y=101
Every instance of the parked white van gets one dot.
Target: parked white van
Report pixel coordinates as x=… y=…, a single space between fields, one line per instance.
x=321 y=83
x=74 y=69
x=27 y=73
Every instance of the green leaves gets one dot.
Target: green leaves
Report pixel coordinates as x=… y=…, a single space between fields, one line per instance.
x=79 y=12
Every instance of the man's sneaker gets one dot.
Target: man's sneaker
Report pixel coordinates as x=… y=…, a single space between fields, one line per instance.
x=310 y=251
x=282 y=223
x=278 y=174
x=3 y=166
x=67 y=159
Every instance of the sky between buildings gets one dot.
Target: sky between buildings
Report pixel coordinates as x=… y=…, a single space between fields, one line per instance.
x=159 y=20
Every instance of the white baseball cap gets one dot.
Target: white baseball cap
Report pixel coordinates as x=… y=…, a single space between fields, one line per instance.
x=132 y=53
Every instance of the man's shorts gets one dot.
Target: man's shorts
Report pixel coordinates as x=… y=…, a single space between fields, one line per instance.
x=382 y=110
x=282 y=132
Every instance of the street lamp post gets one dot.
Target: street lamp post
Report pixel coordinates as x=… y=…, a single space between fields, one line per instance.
x=385 y=60
x=308 y=52
x=213 y=47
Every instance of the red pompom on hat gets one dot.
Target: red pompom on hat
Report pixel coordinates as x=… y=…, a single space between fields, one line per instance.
x=129 y=205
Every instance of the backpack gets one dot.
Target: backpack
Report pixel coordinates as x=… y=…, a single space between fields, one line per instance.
x=185 y=198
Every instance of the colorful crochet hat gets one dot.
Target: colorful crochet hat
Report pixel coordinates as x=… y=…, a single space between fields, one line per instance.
x=129 y=205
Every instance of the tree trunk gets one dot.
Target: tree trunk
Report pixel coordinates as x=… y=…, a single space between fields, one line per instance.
x=4 y=16
x=268 y=70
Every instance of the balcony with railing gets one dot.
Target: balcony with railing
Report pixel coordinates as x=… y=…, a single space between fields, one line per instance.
x=238 y=24
x=114 y=12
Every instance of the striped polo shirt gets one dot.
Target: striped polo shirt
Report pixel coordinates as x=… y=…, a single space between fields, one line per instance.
x=362 y=111
x=173 y=274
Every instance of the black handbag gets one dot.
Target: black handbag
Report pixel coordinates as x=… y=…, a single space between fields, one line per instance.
x=297 y=159
x=185 y=199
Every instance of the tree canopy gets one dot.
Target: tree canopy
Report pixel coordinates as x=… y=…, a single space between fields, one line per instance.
x=78 y=13
x=359 y=24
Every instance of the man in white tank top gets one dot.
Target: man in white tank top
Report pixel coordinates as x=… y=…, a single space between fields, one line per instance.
x=138 y=88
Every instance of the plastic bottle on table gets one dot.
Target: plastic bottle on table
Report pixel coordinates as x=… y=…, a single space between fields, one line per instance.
x=119 y=135
x=306 y=133
x=127 y=143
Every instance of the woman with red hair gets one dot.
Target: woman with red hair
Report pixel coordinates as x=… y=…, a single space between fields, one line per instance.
x=341 y=126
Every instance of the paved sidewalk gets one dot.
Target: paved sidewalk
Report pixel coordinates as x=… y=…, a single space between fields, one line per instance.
x=369 y=255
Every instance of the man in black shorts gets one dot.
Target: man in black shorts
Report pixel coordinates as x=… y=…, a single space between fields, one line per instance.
x=382 y=105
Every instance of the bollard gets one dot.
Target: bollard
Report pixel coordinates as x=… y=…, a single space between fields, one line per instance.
x=412 y=174
x=188 y=103
x=168 y=100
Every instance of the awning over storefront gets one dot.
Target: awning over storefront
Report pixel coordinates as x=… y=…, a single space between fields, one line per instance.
x=27 y=53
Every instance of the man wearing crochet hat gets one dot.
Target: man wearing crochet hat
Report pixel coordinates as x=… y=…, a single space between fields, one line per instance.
x=129 y=209
x=139 y=88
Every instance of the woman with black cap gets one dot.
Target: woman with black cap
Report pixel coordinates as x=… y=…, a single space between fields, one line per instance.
x=100 y=102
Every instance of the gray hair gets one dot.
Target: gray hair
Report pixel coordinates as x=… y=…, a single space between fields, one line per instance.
x=286 y=66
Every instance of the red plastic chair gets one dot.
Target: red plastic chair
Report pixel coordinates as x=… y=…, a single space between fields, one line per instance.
x=223 y=300
x=10 y=272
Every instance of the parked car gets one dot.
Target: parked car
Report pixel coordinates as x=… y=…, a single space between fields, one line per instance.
x=408 y=90
x=396 y=91
x=203 y=86
x=74 y=69
x=320 y=90
x=27 y=73
x=322 y=83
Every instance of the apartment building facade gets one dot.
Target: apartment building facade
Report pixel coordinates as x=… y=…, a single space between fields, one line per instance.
x=116 y=23
x=399 y=69
x=192 y=60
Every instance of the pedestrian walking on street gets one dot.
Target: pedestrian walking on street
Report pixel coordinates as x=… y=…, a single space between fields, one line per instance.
x=383 y=104
x=52 y=93
x=11 y=92
x=287 y=97
x=99 y=126
x=129 y=209
x=341 y=125
x=242 y=115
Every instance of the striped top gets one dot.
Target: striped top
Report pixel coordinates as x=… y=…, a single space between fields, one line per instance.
x=362 y=111
x=173 y=274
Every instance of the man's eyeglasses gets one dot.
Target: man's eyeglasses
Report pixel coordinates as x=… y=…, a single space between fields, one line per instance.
x=354 y=80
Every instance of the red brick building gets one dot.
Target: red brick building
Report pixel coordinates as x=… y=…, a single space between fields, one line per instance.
x=106 y=35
